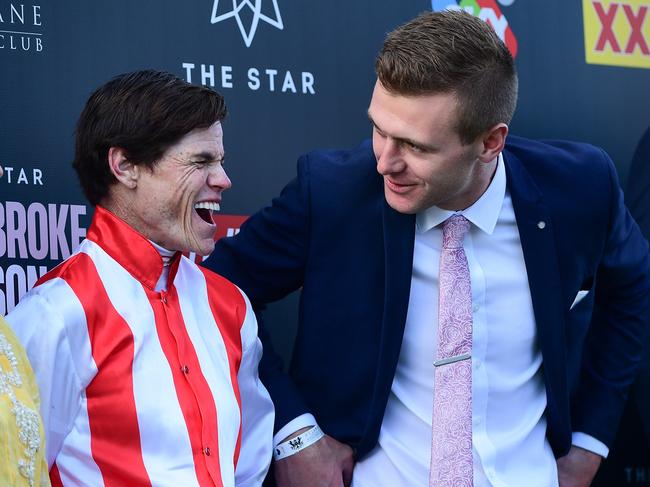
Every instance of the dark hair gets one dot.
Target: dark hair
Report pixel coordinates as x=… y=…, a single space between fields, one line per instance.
x=144 y=113
x=452 y=52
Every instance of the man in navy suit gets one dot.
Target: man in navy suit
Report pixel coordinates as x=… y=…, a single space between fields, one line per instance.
x=559 y=275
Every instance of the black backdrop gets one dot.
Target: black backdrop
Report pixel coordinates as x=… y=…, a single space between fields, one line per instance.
x=576 y=81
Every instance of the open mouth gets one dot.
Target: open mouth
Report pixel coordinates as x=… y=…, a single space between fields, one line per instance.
x=206 y=210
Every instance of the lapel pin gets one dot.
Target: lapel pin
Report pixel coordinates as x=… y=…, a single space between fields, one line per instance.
x=541 y=225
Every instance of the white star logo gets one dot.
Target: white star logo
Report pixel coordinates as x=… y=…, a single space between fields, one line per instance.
x=256 y=8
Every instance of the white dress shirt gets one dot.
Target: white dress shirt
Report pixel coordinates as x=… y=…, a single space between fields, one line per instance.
x=508 y=394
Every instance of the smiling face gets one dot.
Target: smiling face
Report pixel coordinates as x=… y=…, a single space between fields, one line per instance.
x=420 y=155
x=173 y=203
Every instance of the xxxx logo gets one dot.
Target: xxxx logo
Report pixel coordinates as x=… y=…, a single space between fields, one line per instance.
x=487 y=10
x=617 y=33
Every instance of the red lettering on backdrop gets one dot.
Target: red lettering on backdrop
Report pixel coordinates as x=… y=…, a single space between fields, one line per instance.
x=228 y=225
x=636 y=23
x=607 y=22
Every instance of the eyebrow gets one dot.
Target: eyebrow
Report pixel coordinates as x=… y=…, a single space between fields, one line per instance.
x=403 y=140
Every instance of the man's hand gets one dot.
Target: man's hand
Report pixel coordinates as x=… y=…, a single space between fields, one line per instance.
x=326 y=463
x=578 y=468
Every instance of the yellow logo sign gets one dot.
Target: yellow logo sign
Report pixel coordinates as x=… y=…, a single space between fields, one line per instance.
x=617 y=33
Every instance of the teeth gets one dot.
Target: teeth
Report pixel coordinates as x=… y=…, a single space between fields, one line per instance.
x=207 y=205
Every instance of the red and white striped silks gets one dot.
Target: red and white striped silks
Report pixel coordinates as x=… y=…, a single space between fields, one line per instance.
x=140 y=387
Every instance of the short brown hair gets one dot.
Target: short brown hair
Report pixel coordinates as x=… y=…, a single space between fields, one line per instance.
x=452 y=52
x=144 y=113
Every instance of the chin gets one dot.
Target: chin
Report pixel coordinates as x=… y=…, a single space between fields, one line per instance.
x=402 y=206
x=205 y=249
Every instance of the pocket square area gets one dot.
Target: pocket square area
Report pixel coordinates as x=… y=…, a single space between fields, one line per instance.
x=579 y=297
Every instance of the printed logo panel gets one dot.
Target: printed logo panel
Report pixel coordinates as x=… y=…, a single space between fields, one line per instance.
x=486 y=10
x=617 y=33
x=248 y=15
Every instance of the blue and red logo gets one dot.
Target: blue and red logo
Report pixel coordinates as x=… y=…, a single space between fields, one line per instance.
x=486 y=10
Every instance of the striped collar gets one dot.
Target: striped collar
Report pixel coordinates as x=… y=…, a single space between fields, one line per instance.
x=129 y=248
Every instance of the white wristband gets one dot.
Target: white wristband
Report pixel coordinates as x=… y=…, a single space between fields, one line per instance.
x=300 y=442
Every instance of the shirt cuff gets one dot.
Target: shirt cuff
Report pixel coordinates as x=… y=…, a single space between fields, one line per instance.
x=590 y=443
x=292 y=426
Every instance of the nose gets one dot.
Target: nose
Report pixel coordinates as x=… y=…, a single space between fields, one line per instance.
x=217 y=178
x=389 y=157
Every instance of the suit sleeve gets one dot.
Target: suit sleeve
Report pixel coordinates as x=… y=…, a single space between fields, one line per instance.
x=257 y=410
x=267 y=259
x=614 y=343
x=637 y=194
x=637 y=197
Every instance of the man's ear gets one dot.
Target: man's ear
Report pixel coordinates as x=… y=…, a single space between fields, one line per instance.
x=125 y=171
x=493 y=141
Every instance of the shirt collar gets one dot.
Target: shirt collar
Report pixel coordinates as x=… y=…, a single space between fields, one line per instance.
x=167 y=255
x=128 y=247
x=484 y=213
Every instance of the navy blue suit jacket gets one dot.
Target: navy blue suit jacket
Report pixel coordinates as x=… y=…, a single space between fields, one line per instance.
x=332 y=233
x=637 y=198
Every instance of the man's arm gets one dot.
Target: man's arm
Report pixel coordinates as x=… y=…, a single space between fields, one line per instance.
x=613 y=345
x=578 y=468
x=326 y=463
x=266 y=259
x=637 y=198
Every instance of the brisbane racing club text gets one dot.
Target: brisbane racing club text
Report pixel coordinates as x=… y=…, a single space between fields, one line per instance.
x=21 y=27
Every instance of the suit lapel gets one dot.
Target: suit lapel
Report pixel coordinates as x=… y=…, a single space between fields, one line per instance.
x=399 y=236
x=540 y=255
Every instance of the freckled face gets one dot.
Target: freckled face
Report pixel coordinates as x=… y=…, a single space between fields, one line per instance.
x=174 y=203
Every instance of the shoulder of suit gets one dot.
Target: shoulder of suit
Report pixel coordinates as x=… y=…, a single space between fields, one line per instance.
x=357 y=158
x=561 y=157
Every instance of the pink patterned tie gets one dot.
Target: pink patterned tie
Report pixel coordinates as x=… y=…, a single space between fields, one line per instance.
x=451 y=449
